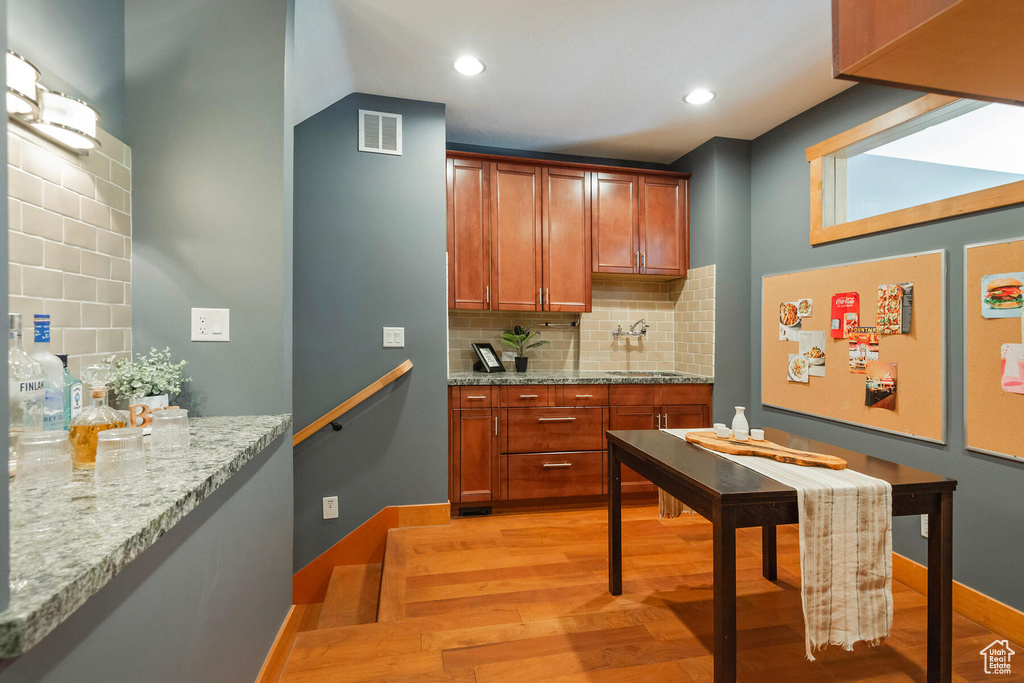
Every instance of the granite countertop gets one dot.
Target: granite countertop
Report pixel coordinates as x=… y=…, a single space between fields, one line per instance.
x=471 y=378
x=69 y=542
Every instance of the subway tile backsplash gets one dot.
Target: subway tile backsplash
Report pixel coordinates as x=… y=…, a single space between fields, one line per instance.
x=70 y=244
x=680 y=320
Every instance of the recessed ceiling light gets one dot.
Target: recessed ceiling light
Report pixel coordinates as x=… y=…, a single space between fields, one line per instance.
x=468 y=65
x=699 y=96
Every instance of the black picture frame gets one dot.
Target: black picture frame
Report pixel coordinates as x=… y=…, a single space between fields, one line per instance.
x=489 y=360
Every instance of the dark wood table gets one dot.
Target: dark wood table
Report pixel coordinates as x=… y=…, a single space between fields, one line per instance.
x=732 y=496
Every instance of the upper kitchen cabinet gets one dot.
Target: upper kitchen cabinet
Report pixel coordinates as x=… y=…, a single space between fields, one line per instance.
x=970 y=48
x=515 y=237
x=469 y=245
x=640 y=224
x=566 y=228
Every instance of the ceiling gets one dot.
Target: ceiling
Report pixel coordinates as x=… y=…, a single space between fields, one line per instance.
x=589 y=77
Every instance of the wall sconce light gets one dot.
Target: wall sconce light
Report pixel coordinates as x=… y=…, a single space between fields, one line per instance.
x=22 y=79
x=66 y=120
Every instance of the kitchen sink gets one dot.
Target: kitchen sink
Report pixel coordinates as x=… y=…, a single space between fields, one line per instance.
x=644 y=373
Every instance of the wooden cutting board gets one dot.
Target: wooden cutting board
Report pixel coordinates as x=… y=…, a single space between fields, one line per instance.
x=765 y=449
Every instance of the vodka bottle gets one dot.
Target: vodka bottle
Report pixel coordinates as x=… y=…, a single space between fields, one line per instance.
x=53 y=395
x=74 y=397
x=26 y=386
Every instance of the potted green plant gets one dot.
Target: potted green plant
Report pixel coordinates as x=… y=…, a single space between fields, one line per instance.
x=148 y=380
x=518 y=338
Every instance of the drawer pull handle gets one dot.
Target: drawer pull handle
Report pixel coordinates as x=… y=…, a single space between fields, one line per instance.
x=584 y=396
x=556 y=419
x=557 y=464
x=476 y=398
x=528 y=395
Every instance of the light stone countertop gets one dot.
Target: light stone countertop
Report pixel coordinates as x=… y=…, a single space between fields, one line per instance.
x=472 y=378
x=69 y=542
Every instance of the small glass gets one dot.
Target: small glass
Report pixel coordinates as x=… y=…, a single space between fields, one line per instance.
x=44 y=459
x=170 y=431
x=119 y=455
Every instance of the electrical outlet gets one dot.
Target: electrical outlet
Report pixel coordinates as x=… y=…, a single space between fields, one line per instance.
x=331 y=507
x=211 y=324
x=924 y=525
x=394 y=337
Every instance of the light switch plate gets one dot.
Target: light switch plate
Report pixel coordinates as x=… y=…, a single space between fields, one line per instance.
x=211 y=324
x=394 y=337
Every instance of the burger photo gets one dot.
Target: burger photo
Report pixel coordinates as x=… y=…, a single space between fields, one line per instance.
x=1004 y=292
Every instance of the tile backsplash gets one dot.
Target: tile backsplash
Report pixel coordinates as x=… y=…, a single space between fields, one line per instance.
x=680 y=328
x=70 y=244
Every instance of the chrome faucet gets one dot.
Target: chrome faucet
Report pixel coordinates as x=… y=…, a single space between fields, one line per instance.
x=632 y=330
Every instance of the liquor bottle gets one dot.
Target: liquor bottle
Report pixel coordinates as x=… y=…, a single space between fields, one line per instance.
x=74 y=398
x=26 y=386
x=53 y=394
x=94 y=418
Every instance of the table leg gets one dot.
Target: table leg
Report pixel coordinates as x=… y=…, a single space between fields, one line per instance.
x=724 y=539
x=614 y=522
x=940 y=591
x=769 y=553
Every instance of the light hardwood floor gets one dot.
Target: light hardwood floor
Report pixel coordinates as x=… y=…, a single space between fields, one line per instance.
x=525 y=598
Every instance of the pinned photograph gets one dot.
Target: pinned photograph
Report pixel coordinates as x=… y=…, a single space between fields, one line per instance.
x=845 y=314
x=804 y=307
x=1001 y=295
x=812 y=347
x=798 y=369
x=789 y=321
x=863 y=348
x=1012 y=374
x=889 y=316
x=880 y=386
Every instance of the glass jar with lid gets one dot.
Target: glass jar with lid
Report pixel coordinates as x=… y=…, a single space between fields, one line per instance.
x=94 y=418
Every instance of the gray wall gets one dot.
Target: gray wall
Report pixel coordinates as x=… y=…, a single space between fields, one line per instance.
x=720 y=234
x=369 y=252
x=5 y=517
x=877 y=184
x=205 y=97
x=203 y=604
x=987 y=515
x=78 y=47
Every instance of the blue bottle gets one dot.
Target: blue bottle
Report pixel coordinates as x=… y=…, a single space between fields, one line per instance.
x=74 y=396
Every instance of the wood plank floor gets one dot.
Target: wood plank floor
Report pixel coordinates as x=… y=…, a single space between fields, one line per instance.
x=525 y=598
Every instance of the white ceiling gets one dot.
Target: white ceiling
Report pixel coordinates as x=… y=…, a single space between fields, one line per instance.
x=590 y=77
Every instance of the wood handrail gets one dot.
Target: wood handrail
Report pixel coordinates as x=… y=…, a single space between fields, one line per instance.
x=352 y=403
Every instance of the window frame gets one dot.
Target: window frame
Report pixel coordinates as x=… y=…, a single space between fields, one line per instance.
x=827 y=159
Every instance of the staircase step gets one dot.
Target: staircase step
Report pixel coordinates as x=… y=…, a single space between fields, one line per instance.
x=392 y=585
x=351 y=596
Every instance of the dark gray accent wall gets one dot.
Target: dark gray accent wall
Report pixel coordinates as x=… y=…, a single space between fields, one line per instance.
x=553 y=156
x=720 y=234
x=205 y=93
x=203 y=604
x=988 y=518
x=5 y=516
x=78 y=47
x=369 y=251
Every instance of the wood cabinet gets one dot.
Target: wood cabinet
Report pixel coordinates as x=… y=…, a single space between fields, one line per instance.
x=521 y=443
x=971 y=48
x=526 y=236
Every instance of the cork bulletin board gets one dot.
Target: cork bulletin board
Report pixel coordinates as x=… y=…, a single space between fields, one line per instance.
x=840 y=394
x=992 y=421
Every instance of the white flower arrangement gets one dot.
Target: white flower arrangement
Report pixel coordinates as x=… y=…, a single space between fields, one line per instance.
x=150 y=375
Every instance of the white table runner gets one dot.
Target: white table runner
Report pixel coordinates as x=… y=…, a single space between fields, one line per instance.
x=845 y=549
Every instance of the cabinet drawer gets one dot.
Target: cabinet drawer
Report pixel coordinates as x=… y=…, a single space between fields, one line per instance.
x=475 y=397
x=532 y=430
x=554 y=475
x=525 y=396
x=679 y=394
x=581 y=395
x=633 y=395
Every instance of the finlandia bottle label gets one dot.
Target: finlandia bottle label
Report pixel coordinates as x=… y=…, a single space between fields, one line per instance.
x=27 y=391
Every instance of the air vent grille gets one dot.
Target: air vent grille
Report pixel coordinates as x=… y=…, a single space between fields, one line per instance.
x=380 y=132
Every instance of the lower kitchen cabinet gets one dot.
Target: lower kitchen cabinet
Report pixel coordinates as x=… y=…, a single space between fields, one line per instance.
x=473 y=446
x=555 y=475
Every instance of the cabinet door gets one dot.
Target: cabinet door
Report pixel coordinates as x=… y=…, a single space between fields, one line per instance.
x=475 y=455
x=663 y=223
x=469 y=264
x=615 y=223
x=633 y=417
x=685 y=417
x=515 y=238
x=566 y=221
